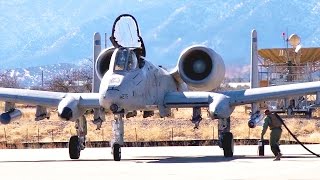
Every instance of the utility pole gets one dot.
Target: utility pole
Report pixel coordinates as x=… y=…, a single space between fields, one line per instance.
x=42 y=79
x=105 y=40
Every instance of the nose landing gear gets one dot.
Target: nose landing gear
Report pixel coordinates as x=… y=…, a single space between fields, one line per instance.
x=117 y=138
x=116 y=151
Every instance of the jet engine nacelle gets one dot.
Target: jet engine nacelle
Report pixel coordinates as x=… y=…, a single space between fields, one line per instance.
x=103 y=61
x=7 y=117
x=68 y=109
x=201 y=68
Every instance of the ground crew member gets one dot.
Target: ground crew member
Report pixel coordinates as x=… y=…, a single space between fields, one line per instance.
x=274 y=123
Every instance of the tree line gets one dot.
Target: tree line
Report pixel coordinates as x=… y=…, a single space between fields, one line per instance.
x=76 y=80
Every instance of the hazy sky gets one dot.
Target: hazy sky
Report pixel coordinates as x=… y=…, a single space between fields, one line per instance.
x=37 y=32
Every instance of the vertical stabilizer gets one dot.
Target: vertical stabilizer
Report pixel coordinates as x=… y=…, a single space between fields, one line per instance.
x=96 y=52
x=254 y=66
x=97 y=116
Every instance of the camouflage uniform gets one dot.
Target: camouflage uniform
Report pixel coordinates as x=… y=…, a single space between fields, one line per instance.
x=274 y=124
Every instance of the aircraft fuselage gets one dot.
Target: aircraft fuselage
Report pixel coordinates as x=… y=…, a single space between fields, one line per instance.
x=137 y=89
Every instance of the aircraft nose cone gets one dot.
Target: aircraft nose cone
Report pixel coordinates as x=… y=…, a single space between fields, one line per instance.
x=66 y=113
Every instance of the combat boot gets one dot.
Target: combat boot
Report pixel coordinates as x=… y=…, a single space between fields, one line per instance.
x=278 y=157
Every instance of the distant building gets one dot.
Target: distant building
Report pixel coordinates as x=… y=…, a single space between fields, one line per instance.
x=239 y=84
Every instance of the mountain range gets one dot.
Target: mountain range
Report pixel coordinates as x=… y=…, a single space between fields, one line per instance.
x=33 y=77
x=41 y=33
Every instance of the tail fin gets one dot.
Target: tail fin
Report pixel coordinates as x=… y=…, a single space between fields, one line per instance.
x=96 y=52
x=98 y=115
x=254 y=66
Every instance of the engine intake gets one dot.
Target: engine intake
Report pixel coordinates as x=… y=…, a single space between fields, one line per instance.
x=201 y=68
x=103 y=61
x=198 y=66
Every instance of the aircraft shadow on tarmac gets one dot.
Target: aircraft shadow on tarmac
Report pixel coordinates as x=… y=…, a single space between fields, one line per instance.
x=171 y=159
x=213 y=159
x=49 y=161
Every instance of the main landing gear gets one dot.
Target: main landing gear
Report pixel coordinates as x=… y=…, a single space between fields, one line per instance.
x=77 y=143
x=74 y=147
x=225 y=137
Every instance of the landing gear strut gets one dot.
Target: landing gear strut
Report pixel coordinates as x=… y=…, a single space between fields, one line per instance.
x=117 y=136
x=77 y=143
x=98 y=117
x=225 y=137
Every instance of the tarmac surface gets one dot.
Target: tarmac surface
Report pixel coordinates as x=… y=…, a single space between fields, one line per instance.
x=183 y=162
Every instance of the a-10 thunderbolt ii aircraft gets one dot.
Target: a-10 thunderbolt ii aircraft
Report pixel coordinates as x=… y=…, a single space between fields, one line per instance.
x=131 y=83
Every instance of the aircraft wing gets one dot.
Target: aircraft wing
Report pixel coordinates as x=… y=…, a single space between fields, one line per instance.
x=222 y=103
x=188 y=99
x=273 y=92
x=47 y=98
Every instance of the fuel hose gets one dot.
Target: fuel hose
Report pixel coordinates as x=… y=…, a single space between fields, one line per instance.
x=299 y=142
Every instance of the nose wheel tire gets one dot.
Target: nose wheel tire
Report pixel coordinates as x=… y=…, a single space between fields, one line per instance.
x=116 y=151
x=74 y=147
x=227 y=144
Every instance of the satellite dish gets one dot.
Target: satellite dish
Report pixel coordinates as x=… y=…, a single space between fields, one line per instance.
x=294 y=40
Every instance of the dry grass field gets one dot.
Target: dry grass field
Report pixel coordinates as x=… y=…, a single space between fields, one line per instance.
x=177 y=127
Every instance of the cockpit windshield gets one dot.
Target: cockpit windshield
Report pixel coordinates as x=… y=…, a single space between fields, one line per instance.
x=125 y=60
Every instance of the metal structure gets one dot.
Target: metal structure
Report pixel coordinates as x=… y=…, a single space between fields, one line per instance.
x=292 y=64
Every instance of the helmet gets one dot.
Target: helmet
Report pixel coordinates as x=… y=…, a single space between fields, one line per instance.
x=266 y=112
